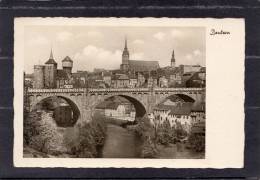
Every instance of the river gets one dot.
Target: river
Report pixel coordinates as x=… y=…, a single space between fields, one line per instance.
x=121 y=143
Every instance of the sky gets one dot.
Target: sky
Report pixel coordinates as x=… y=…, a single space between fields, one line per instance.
x=101 y=47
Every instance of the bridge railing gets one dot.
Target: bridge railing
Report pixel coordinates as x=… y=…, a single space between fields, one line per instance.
x=78 y=90
x=179 y=89
x=94 y=90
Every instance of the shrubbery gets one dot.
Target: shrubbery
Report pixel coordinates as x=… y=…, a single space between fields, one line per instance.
x=165 y=134
x=40 y=133
x=91 y=137
x=197 y=142
x=146 y=132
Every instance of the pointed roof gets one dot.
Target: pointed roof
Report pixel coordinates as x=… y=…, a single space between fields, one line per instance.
x=125 y=48
x=125 y=43
x=51 y=59
x=67 y=58
x=173 y=56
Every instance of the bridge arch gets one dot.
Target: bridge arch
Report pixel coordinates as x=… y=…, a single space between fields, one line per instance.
x=139 y=106
x=76 y=112
x=185 y=97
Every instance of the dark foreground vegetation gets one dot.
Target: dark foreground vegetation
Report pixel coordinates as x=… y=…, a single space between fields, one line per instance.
x=154 y=138
x=86 y=140
x=42 y=135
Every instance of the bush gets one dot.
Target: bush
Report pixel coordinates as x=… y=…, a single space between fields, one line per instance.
x=91 y=136
x=148 y=150
x=40 y=133
x=146 y=132
x=165 y=134
x=197 y=142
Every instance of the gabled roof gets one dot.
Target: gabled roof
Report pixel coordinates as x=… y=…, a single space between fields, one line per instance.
x=136 y=65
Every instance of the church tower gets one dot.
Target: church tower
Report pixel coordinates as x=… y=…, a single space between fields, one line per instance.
x=125 y=58
x=50 y=72
x=173 y=60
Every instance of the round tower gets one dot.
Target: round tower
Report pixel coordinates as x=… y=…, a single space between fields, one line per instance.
x=38 y=77
x=173 y=60
x=67 y=64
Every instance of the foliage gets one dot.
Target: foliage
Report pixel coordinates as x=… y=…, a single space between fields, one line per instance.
x=40 y=133
x=91 y=136
x=149 y=150
x=180 y=131
x=145 y=130
x=165 y=134
x=197 y=142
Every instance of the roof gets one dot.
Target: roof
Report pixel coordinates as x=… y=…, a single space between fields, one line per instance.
x=180 y=109
x=108 y=105
x=198 y=128
x=51 y=61
x=137 y=65
x=200 y=107
x=184 y=109
x=79 y=74
x=103 y=105
x=28 y=75
x=62 y=74
x=203 y=69
x=67 y=58
x=123 y=77
x=132 y=76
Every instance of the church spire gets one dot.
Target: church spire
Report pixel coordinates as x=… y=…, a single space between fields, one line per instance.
x=51 y=59
x=173 y=59
x=51 y=54
x=125 y=43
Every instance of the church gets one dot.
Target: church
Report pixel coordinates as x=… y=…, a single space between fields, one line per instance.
x=136 y=65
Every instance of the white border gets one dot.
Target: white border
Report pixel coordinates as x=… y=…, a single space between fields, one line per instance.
x=224 y=94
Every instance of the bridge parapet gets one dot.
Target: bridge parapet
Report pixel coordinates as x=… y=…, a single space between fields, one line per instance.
x=118 y=90
x=93 y=90
x=179 y=89
x=78 y=90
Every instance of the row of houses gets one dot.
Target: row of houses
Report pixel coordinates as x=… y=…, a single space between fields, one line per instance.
x=163 y=77
x=177 y=110
x=117 y=108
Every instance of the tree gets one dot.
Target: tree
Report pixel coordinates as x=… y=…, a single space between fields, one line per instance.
x=40 y=133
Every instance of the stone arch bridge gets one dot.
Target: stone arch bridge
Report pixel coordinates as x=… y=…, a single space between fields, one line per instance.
x=85 y=100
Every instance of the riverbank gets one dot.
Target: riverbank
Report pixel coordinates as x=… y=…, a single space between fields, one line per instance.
x=178 y=151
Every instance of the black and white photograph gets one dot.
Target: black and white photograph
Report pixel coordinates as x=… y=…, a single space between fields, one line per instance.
x=102 y=90
x=114 y=92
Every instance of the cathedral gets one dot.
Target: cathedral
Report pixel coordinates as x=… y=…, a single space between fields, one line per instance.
x=136 y=65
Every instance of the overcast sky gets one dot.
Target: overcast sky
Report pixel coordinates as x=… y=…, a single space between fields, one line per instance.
x=101 y=47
